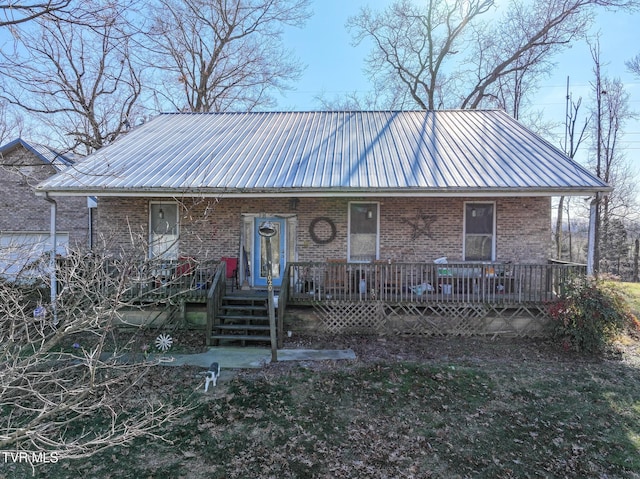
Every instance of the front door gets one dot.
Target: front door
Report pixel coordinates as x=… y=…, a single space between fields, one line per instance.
x=277 y=252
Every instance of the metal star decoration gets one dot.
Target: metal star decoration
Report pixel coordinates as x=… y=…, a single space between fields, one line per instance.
x=421 y=225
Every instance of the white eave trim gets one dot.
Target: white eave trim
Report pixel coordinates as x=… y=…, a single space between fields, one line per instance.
x=319 y=193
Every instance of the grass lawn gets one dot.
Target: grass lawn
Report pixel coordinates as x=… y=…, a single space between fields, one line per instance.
x=441 y=408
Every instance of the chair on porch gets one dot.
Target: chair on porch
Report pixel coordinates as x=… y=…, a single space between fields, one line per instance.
x=232 y=271
x=184 y=272
x=186 y=266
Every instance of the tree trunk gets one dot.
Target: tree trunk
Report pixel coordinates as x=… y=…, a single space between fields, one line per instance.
x=635 y=261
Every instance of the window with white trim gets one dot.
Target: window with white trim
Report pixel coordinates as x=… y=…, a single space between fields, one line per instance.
x=363 y=232
x=479 y=231
x=163 y=230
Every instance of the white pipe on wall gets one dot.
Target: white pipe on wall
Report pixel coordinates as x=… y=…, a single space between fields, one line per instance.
x=52 y=257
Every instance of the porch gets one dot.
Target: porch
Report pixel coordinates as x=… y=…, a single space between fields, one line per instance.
x=426 y=299
x=375 y=298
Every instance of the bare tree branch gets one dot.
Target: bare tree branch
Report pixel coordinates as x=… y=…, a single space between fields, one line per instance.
x=220 y=55
x=74 y=400
x=80 y=79
x=16 y=12
x=611 y=112
x=444 y=55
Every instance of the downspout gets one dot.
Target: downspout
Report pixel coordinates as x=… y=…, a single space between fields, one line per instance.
x=90 y=229
x=90 y=207
x=52 y=258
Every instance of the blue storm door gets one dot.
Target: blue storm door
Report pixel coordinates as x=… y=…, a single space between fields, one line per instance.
x=277 y=253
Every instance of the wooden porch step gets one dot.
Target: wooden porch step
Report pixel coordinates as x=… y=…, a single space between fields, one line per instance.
x=244 y=299
x=243 y=307
x=243 y=327
x=240 y=337
x=243 y=317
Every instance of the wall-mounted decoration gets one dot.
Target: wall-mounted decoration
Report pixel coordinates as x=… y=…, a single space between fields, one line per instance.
x=421 y=225
x=318 y=230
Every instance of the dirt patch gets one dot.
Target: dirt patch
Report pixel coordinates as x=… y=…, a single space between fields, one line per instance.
x=368 y=348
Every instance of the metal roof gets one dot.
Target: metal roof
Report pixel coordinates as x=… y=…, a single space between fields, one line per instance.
x=44 y=153
x=457 y=152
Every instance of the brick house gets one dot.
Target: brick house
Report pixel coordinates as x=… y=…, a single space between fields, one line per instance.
x=24 y=217
x=363 y=204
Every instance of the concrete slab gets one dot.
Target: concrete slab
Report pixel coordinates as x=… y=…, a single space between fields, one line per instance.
x=244 y=358
x=314 y=354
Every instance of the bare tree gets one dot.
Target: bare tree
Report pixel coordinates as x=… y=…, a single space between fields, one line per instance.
x=11 y=124
x=14 y=13
x=611 y=112
x=351 y=101
x=220 y=55
x=574 y=136
x=634 y=65
x=443 y=55
x=69 y=381
x=80 y=79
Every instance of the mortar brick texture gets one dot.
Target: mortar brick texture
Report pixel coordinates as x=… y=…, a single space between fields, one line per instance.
x=211 y=228
x=22 y=211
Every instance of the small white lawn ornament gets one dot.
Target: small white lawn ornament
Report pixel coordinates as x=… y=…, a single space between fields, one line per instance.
x=164 y=342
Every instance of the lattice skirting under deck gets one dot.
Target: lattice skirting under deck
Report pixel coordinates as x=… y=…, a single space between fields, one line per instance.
x=460 y=319
x=352 y=317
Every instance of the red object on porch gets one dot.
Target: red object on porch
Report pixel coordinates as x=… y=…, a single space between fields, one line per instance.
x=186 y=266
x=232 y=271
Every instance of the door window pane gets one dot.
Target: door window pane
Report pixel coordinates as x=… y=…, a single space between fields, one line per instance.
x=275 y=253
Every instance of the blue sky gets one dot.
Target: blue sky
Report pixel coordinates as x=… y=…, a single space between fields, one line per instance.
x=335 y=67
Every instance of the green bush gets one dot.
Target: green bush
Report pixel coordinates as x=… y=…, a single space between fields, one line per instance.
x=589 y=316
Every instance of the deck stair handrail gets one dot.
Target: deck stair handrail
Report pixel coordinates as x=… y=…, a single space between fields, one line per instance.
x=215 y=296
x=283 y=298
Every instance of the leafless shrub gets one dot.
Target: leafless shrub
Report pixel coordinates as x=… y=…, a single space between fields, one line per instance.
x=65 y=384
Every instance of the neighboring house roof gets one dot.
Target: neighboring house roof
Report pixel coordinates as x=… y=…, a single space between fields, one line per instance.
x=45 y=154
x=462 y=152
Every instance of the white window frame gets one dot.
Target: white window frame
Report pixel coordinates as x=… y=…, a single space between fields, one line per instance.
x=493 y=233
x=172 y=252
x=377 y=219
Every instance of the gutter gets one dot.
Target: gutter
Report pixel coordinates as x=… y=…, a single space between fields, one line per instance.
x=52 y=257
x=334 y=192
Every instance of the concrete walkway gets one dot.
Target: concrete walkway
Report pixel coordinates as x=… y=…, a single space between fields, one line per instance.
x=247 y=357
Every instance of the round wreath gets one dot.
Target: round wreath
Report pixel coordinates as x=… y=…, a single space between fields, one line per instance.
x=314 y=236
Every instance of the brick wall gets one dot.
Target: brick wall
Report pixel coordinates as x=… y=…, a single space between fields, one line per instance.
x=22 y=210
x=411 y=229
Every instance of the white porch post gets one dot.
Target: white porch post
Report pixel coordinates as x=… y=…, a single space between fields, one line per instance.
x=592 y=235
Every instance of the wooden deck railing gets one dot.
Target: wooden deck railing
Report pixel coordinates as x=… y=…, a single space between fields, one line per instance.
x=160 y=280
x=495 y=283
